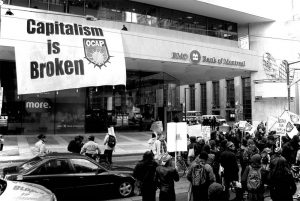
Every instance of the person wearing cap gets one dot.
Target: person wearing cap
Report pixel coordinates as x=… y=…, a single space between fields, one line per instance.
x=275 y=157
x=165 y=176
x=91 y=148
x=229 y=163
x=39 y=148
x=144 y=173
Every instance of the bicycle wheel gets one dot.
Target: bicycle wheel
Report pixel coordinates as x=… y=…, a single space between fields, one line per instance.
x=181 y=167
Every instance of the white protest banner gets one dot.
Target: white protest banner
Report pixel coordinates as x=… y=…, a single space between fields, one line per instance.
x=57 y=55
x=285 y=124
x=195 y=130
x=206 y=133
x=176 y=136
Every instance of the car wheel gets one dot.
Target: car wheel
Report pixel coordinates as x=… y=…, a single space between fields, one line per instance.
x=125 y=188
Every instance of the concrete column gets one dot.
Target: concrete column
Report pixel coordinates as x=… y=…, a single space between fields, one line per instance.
x=209 y=97
x=223 y=99
x=197 y=97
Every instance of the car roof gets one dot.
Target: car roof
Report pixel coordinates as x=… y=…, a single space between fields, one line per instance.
x=62 y=155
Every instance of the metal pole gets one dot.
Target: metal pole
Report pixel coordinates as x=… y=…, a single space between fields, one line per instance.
x=288 y=85
x=185 y=103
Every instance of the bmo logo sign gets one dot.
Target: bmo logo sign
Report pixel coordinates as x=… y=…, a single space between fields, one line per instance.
x=37 y=105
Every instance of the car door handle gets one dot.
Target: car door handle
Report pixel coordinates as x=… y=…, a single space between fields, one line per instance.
x=46 y=179
x=81 y=177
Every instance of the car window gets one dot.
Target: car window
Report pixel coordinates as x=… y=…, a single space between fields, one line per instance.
x=29 y=164
x=55 y=166
x=84 y=166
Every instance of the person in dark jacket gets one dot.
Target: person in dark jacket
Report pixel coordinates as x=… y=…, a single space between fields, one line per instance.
x=200 y=192
x=258 y=194
x=289 y=150
x=282 y=184
x=144 y=171
x=229 y=163
x=76 y=144
x=165 y=176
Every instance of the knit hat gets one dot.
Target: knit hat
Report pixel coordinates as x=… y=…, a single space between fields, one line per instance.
x=256 y=159
x=216 y=191
x=229 y=144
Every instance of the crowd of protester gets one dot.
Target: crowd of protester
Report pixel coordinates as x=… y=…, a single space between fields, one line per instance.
x=248 y=165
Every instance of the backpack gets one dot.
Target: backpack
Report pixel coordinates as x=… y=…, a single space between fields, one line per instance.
x=254 y=179
x=199 y=175
x=111 y=141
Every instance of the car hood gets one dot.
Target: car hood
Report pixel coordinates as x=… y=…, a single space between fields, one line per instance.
x=121 y=170
x=16 y=191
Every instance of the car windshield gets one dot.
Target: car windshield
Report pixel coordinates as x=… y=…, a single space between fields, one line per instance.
x=3 y=185
x=29 y=164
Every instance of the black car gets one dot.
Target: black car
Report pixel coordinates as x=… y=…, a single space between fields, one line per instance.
x=73 y=176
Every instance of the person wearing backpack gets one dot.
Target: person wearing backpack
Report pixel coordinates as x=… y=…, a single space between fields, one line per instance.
x=110 y=141
x=201 y=176
x=254 y=178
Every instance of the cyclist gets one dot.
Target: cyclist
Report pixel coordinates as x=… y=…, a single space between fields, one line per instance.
x=91 y=148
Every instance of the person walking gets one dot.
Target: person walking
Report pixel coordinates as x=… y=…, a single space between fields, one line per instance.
x=229 y=163
x=110 y=141
x=144 y=173
x=201 y=176
x=165 y=176
x=76 y=144
x=91 y=148
x=40 y=148
x=254 y=178
x=281 y=182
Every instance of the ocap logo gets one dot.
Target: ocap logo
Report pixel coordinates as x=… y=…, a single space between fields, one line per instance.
x=96 y=51
x=195 y=57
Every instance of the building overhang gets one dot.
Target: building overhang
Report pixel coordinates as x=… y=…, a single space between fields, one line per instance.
x=186 y=73
x=209 y=10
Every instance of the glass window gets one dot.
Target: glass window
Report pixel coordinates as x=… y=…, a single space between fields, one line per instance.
x=54 y=166
x=29 y=164
x=216 y=93
x=247 y=111
x=58 y=6
x=230 y=93
x=192 y=97
x=84 y=166
x=39 y=4
x=76 y=7
x=23 y=3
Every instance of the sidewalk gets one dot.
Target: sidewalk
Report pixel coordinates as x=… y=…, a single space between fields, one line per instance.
x=19 y=147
